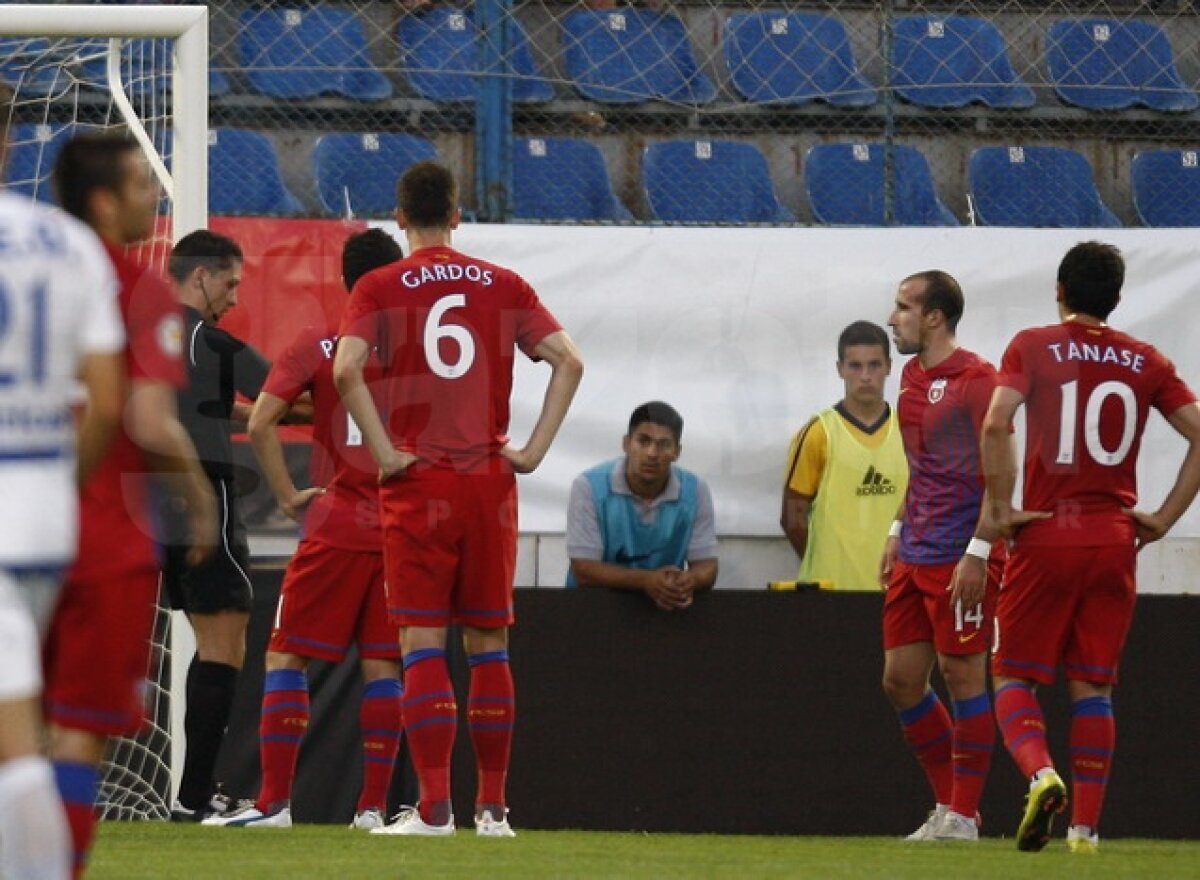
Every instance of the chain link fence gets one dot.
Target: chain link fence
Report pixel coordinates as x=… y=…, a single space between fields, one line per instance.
x=702 y=111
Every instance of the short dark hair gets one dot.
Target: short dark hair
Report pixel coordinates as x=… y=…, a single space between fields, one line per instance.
x=1091 y=275
x=658 y=413
x=88 y=162
x=428 y=195
x=203 y=247
x=863 y=333
x=942 y=294
x=365 y=251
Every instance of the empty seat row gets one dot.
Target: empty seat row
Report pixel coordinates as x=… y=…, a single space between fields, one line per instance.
x=634 y=55
x=683 y=181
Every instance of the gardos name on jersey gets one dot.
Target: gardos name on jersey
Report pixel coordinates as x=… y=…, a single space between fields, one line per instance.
x=412 y=278
x=1096 y=352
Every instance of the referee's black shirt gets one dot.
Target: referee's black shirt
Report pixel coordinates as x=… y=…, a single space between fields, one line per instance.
x=219 y=366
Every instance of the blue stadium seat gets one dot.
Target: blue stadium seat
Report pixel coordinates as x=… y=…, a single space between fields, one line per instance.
x=633 y=55
x=953 y=60
x=1103 y=64
x=779 y=58
x=30 y=66
x=243 y=175
x=439 y=54
x=1035 y=186
x=562 y=179
x=845 y=186
x=31 y=153
x=305 y=52
x=356 y=174
x=1166 y=187
x=710 y=182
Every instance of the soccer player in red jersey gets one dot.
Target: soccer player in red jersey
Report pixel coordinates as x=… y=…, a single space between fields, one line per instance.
x=332 y=592
x=446 y=326
x=940 y=576
x=97 y=654
x=1069 y=587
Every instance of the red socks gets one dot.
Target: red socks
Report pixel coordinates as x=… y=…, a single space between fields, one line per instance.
x=379 y=720
x=1093 y=737
x=430 y=717
x=1024 y=729
x=971 y=754
x=490 y=712
x=928 y=730
x=280 y=730
x=78 y=785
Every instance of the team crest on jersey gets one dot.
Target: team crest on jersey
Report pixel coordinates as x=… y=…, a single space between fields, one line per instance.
x=170 y=335
x=937 y=390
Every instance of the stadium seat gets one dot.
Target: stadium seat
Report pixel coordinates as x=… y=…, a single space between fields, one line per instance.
x=31 y=66
x=845 y=186
x=305 y=52
x=952 y=61
x=779 y=58
x=1166 y=187
x=32 y=150
x=710 y=182
x=633 y=55
x=1103 y=64
x=243 y=175
x=1035 y=186
x=562 y=179
x=439 y=55
x=356 y=174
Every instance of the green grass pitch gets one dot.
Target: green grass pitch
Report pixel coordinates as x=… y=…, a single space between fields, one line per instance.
x=161 y=851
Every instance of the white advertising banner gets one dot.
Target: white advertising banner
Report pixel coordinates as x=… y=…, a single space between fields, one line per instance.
x=737 y=329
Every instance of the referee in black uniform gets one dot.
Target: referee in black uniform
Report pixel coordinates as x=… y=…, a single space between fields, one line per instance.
x=206 y=269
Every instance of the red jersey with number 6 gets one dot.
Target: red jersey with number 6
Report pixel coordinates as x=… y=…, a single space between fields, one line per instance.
x=347 y=515
x=1088 y=392
x=446 y=327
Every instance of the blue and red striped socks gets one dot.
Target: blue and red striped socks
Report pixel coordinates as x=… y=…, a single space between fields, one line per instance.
x=490 y=712
x=1019 y=716
x=928 y=730
x=1093 y=737
x=285 y=715
x=971 y=752
x=379 y=721
x=430 y=718
x=78 y=785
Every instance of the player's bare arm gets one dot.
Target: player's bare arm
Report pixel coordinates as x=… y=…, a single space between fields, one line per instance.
x=348 y=363
x=891 y=548
x=793 y=519
x=700 y=575
x=1152 y=526
x=268 y=412
x=103 y=376
x=566 y=371
x=656 y=584
x=152 y=423
x=998 y=454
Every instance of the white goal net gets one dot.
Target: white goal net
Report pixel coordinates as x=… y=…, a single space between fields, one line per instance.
x=143 y=69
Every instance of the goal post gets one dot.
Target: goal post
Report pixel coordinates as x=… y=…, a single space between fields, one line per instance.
x=187 y=28
x=161 y=97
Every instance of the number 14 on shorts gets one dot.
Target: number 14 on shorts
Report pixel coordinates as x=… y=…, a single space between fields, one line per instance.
x=973 y=616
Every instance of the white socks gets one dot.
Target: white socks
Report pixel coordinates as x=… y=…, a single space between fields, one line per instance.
x=35 y=843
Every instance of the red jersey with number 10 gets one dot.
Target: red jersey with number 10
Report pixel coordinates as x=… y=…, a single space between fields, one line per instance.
x=347 y=515
x=446 y=327
x=1088 y=392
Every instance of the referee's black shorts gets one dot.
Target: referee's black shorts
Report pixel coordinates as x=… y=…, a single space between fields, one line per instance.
x=221 y=582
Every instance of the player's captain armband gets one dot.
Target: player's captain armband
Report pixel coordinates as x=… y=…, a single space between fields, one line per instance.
x=894 y=531
x=979 y=548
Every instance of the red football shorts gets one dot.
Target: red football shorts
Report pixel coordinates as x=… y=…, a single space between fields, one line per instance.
x=331 y=597
x=1072 y=605
x=98 y=651
x=917 y=608
x=450 y=545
